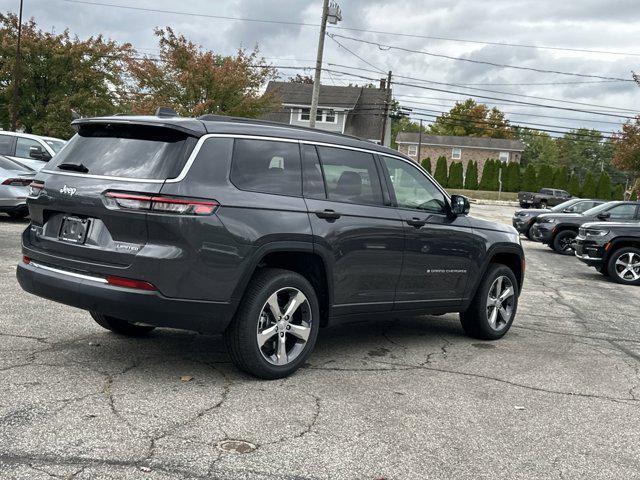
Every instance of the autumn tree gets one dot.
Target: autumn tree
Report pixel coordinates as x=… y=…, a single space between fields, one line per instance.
x=626 y=153
x=194 y=81
x=59 y=74
x=474 y=120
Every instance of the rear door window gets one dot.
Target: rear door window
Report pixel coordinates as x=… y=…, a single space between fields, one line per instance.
x=267 y=166
x=128 y=151
x=312 y=179
x=6 y=144
x=350 y=176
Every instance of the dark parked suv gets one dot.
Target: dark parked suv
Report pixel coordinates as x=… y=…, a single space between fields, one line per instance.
x=559 y=230
x=612 y=248
x=262 y=231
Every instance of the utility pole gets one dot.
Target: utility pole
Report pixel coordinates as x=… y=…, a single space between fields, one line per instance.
x=420 y=143
x=387 y=104
x=332 y=14
x=16 y=76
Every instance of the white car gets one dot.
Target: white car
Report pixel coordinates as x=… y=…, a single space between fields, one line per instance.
x=33 y=151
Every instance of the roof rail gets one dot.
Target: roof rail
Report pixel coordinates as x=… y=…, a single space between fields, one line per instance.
x=222 y=118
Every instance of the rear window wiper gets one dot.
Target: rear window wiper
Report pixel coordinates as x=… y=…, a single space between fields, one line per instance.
x=73 y=167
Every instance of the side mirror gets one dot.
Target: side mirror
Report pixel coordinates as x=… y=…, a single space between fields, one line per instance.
x=460 y=205
x=38 y=154
x=604 y=216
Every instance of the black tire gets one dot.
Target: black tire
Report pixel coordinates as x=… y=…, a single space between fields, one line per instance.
x=560 y=242
x=241 y=335
x=603 y=270
x=529 y=234
x=622 y=254
x=121 y=327
x=475 y=321
x=543 y=204
x=524 y=205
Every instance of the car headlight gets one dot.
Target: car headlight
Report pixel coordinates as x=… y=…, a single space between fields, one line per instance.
x=548 y=220
x=597 y=233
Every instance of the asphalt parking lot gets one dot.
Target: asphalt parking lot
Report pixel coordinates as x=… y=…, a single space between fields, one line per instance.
x=558 y=397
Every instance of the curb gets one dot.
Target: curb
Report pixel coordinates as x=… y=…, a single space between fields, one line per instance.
x=505 y=203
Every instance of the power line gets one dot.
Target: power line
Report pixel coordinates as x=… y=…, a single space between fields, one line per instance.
x=383 y=46
x=354 y=29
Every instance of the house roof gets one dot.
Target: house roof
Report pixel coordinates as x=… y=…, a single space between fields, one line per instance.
x=365 y=105
x=330 y=96
x=468 y=142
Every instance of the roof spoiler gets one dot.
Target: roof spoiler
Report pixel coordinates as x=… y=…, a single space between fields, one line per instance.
x=166 y=112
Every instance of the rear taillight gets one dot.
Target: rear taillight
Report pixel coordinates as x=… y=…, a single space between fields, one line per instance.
x=26 y=260
x=129 y=283
x=17 y=182
x=160 y=203
x=35 y=188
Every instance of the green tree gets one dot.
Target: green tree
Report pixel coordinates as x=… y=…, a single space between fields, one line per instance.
x=634 y=196
x=529 y=179
x=560 y=178
x=585 y=150
x=573 y=186
x=489 y=179
x=402 y=123
x=471 y=179
x=618 y=192
x=471 y=119
x=511 y=180
x=441 y=175
x=426 y=164
x=603 y=190
x=59 y=73
x=589 y=187
x=540 y=148
x=456 y=175
x=545 y=176
x=195 y=81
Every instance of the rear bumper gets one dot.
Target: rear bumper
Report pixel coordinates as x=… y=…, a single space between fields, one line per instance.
x=151 y=308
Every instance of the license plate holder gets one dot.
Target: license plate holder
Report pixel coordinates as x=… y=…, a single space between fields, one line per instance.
x=74 y=230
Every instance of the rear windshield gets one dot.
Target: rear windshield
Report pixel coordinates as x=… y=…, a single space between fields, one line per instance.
x=8 y=164
x=129 y=151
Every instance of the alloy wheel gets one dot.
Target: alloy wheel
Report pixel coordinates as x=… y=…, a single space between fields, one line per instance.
x=628 y=266
x=284 y=326
x=500 y=303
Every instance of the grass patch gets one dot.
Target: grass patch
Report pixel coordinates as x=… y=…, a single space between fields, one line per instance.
x=485 y=195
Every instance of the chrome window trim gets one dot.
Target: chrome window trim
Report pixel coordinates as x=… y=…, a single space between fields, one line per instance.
x=68 y=273
x=204 y=138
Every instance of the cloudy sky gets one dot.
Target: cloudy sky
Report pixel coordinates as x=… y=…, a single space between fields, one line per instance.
x=598 y=25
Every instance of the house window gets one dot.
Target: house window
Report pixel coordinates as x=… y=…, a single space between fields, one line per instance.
x=413 y=150
x=504 y=157
x=456 y=153
x=322 y=115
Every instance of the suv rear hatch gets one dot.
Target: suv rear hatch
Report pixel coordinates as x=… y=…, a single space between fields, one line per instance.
x=88 y=206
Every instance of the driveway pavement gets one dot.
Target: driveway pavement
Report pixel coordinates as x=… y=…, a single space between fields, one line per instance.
x=558 y=397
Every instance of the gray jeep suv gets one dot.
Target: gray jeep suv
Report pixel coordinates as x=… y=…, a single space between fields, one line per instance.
x=261 y=231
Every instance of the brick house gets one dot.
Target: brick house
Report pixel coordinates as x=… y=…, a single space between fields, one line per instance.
x=357 y=111
x=460 y=149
